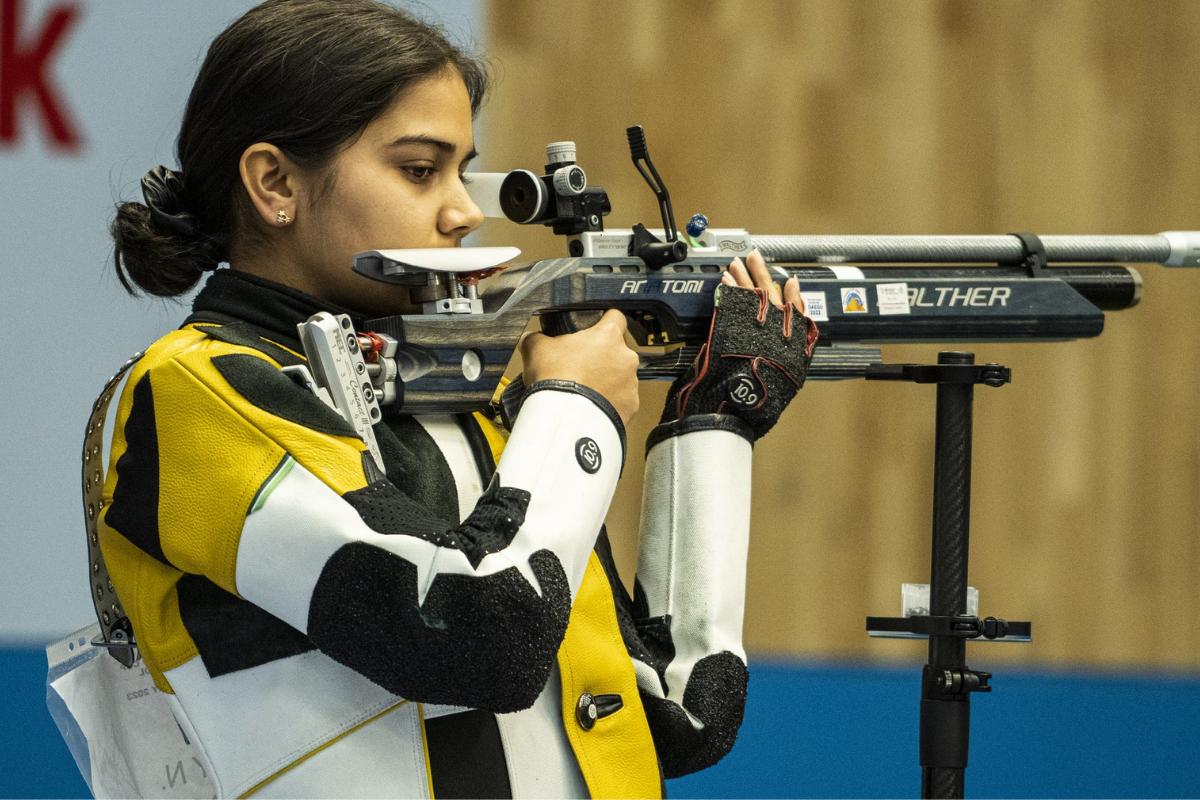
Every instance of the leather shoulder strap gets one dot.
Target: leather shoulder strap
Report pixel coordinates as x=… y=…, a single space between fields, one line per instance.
x=116 y=634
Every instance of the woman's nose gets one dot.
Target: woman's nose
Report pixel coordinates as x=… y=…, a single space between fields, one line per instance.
x=460 y=215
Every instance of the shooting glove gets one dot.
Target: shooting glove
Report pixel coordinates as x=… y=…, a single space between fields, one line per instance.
x=754 y=362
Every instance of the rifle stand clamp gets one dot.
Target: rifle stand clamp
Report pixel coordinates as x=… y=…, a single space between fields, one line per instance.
x=947 y=682
x=993 y=375
x=960 y=626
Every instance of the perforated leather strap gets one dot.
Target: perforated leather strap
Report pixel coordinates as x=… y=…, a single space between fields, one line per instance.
x=116 y=634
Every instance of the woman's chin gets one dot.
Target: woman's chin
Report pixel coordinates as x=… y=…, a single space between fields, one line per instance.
x=381 y=300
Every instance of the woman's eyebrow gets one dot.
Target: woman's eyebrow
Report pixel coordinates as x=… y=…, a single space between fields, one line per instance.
x=441 y=144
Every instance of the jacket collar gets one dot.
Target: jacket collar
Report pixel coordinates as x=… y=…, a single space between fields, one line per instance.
x=271 y=307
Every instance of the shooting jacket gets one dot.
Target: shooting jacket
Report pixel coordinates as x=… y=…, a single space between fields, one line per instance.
x=455 y=628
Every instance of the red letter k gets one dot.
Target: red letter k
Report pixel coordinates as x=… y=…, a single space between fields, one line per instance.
x=25 y=69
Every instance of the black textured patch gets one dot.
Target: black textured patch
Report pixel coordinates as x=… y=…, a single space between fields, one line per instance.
x=231 y=633
x=715 y=695
x=466 y=756
x=134 y=509
x=484 y=642
x=631 y=615
x=395 y=458
x=495 y=520
x=587 y=453
x=242 y=334
x=266 y=387
x=489 y=528
x=386 y=509
x=415 y=462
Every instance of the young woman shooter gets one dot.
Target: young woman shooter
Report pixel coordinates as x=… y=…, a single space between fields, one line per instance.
x=455 y=628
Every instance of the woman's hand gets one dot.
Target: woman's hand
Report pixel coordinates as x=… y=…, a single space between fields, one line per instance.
x=597 y=358
x=755 y=275
x=757 y=353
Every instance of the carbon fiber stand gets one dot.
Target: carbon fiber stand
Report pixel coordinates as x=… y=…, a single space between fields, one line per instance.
x=947 y=682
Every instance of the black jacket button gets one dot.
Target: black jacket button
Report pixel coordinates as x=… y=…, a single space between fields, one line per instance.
x=593 y=707
x=586 y=711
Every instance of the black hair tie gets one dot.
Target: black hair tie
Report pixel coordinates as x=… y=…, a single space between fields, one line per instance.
x=164 y=193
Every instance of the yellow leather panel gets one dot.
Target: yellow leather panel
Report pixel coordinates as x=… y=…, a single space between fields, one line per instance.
x=495 y=434
x=213 y=462
x=336 y=460
x=617 y=756
x=215 y=450
x=146 y=588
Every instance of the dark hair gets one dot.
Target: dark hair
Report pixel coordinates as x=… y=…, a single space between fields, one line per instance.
x=304 y=75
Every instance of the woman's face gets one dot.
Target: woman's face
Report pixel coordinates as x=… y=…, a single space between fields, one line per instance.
x=398 y=185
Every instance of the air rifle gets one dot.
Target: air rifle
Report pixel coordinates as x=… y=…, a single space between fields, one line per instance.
x=862 y=290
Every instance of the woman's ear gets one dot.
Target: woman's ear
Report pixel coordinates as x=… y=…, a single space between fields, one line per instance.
x=273 y=183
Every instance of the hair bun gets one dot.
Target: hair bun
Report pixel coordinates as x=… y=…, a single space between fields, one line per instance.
x=160 y=247
x=164 y=192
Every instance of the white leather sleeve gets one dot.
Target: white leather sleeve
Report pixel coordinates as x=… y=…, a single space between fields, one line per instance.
x=486 y=604
x=692 y=557
x=559 y=438
x=277 y=570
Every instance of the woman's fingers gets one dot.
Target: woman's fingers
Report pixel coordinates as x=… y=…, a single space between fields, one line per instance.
x=615 y=320
x=741 y=278
x=791 y=294
x=757 y=266
x=528 y=341
x=754 y=274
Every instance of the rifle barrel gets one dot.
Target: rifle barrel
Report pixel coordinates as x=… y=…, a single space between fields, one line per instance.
x=1174 y=248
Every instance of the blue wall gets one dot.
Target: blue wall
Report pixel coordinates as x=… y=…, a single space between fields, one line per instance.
x=816 y=730
x=851 y=731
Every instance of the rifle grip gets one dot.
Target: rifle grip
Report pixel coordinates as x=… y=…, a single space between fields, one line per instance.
x=557 y=323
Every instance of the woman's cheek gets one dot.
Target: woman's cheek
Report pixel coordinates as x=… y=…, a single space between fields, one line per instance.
x=410 y=225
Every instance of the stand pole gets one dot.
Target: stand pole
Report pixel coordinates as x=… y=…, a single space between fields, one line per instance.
x=947 y=682
x=945 y=720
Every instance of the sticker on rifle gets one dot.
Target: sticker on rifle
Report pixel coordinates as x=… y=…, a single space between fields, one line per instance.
x=892 y=298
x=814 y=306
x=854 y=300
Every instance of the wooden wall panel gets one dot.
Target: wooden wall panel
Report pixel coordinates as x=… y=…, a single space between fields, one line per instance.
x=919 y=117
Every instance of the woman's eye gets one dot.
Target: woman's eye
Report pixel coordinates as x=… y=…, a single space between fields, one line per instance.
x=466 y=178
x=420 y=174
